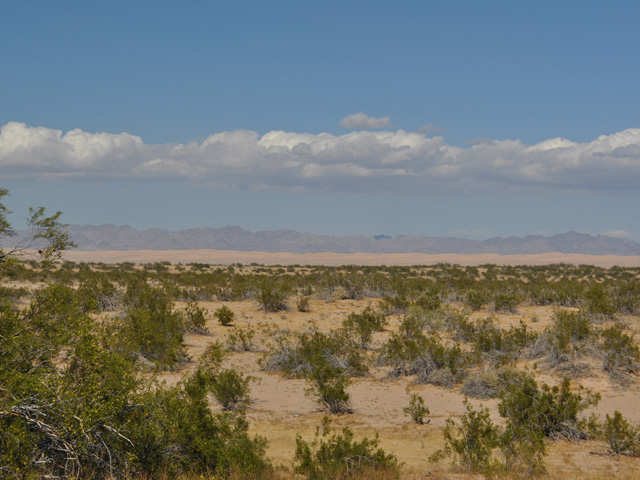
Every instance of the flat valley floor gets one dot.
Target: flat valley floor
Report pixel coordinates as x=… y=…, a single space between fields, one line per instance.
x=280 y=409
x=225 y=257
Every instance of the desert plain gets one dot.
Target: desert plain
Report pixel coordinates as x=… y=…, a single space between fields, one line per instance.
x=280 y=409
x=226 y=257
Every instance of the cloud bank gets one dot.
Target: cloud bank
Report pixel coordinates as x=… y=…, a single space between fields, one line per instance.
x=357 y=162
x=365 y=122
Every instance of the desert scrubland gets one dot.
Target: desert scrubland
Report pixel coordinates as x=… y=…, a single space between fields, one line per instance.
x=542 y=356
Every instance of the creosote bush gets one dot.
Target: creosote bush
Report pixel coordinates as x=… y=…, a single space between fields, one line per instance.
x=621 y=354
x=416 y=409
x=339 y=456
x=302 y=303
x=552 y=411
x=151 y=330
x=327 y=384
x=532 y=413
x=410 y=352
x=224 y=315
x=93 y=416
x=228 y=386
x=241 y=339
x=623 y=439
x=295 y=355
x=471 y=442
x=272 y=298
x=196 y=318
x=364 y=324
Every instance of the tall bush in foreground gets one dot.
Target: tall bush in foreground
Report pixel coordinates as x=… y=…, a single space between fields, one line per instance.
x=327 y=384
x=471 y=442
x=532 y=414
x=69 y=408
x=620 y=435
x=338 y=456
x=552 y=411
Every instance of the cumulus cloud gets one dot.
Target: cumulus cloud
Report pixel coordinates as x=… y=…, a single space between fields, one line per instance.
x=482 y=233
x=429 y=128
x=359 y=161
x=361 y=121
x=619 y=233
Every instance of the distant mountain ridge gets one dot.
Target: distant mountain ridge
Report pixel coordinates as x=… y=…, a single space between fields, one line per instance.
x=112 y=237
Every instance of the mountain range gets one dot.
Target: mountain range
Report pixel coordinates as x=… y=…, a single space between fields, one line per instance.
x=112 y=237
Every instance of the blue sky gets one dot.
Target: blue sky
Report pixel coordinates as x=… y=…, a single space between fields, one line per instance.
x=472 y=119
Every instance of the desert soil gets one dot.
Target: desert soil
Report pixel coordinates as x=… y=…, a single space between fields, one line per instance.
x=225 y=257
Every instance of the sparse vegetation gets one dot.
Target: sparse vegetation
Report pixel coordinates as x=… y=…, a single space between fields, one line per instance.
x=82 y=346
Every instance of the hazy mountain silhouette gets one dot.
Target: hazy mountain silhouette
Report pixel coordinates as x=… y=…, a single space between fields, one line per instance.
x=111 y=237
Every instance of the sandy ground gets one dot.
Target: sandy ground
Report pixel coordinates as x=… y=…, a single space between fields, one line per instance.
x=223 y=257
x=280 y=409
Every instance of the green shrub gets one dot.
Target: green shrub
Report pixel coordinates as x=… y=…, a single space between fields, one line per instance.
x=570 y=327
x=241 y=339
x=476 y=299
x=598 y=301
x=97 y=294
x=522 y=454
x=295 y=356
x=231 y=389
x=506 y=302
x=302 y=303
x=501 y=346
x=429 y=301
x=224 y=315
x=395 y=305
x=339 y=456
x=552 y=411
x=410 y=352
x=327 y=384
x=196 y=321
x=272 y=298
x=620 y=435
x=620 y=351
x=150 y=330
x=338 y=293
x=93 y=416
x=569 y=336
x=416 y=409
x=364 y=324
x=472 y=442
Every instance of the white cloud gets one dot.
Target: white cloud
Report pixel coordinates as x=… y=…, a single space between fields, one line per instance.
x=482 y=233
x=359 y=161
x=620 y=234
x=361 y=121
x=429 y=128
